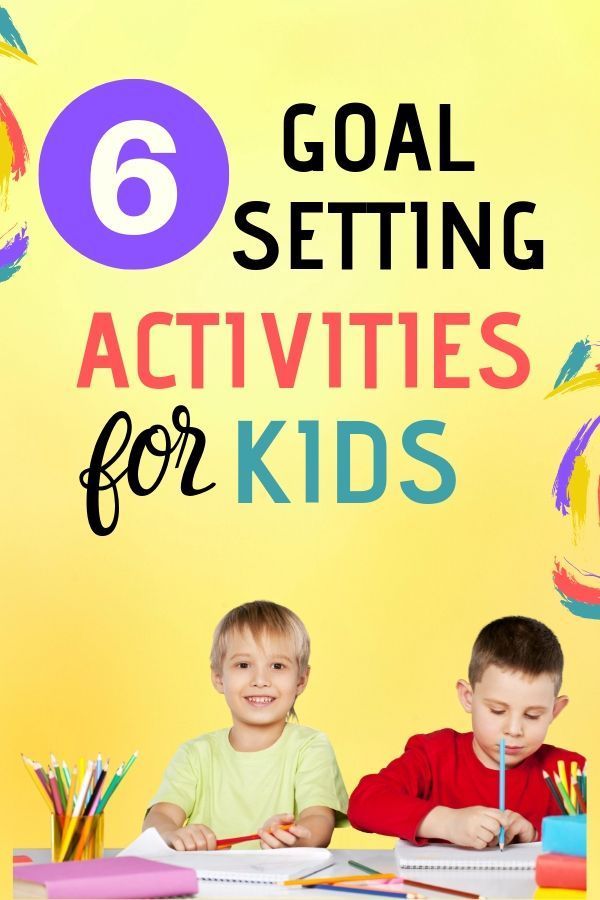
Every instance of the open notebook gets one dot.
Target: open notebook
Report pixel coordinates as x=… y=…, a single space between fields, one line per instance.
x=247 y=866
x=446 y=856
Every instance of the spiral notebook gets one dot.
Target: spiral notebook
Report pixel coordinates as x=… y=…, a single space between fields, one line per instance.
x=243 y=866
x=447 y=856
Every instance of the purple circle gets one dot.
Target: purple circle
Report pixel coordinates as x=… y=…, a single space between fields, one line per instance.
x=199 y=167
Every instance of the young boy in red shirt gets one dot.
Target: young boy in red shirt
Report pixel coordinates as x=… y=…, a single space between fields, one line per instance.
x=445 y=784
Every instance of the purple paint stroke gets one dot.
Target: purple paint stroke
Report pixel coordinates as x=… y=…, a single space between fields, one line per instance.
x=560 y=488
x=581 y=571
x=12 y=253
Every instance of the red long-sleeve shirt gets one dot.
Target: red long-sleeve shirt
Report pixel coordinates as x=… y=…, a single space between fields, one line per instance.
x=441 y=769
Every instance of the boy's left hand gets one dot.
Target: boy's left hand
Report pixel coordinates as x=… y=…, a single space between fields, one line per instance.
x=273 y=837
x=518 y=829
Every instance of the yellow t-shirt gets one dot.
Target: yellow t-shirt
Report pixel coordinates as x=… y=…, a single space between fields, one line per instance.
x=234 y=793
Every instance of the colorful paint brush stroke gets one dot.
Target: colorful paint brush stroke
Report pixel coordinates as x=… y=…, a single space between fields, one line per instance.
x=12 y=253
x=571 y=378
x=14 y=155
x=579 y=598
x=571 y=477
x=11 y=42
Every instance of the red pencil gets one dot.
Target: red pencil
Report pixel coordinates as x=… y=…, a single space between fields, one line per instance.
x=224 y=843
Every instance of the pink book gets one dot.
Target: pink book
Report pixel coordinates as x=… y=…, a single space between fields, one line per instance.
x=123 y=877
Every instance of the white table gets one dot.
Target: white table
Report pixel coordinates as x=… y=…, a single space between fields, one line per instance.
x=519 y=885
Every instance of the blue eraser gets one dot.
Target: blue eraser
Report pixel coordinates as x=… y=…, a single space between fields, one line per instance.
x=565 y=834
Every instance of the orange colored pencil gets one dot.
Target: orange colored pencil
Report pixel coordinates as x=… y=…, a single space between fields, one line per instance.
x=341 y=879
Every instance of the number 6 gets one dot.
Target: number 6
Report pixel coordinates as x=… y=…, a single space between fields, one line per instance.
x=106 y=177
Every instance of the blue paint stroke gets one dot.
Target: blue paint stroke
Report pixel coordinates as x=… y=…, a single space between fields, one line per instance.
x=12 y=254
x=560 y=488
x=8 y=32
x=583 y=610
x=578 y=356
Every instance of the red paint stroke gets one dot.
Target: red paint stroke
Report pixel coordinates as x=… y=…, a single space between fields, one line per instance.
x=570 y=587
x=17 y=141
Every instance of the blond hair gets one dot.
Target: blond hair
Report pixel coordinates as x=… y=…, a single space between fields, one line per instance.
x=260 y=617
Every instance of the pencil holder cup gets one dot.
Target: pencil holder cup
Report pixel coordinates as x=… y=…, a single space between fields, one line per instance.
x=77 y=837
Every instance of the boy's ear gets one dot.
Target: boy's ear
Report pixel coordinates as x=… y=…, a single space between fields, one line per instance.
x=559 y=705
x=302 y=681
x=465 y=694
x=217 y=680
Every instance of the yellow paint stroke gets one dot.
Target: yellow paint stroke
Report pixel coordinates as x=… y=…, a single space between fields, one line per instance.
x=6 y=161
x=579 y=383
x=577 y=492
x=15 y=53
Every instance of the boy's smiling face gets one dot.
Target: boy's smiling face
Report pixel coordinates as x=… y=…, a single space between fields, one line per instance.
x=260 y=679
x=513 y=706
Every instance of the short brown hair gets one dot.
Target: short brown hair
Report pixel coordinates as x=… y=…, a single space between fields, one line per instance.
x=518 y=644
x=258 y=617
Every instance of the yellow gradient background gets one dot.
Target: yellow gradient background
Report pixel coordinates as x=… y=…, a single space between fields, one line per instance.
x=106 y=641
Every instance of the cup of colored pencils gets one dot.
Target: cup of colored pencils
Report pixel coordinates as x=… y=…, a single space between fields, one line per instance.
x=568 y=786
x=76 y=798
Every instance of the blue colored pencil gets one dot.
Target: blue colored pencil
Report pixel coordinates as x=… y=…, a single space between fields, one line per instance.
x=502 y=800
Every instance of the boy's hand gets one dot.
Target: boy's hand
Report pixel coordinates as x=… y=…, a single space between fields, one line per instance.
x=475 y=826
x=192 y=837
x=518 y=829
x=273 y=837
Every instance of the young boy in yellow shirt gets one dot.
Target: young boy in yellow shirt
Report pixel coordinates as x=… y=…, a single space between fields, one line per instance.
x=236 y=781
x=445 y=785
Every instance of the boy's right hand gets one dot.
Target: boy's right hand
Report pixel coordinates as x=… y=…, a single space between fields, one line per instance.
x=474 y=826
x=191 y=837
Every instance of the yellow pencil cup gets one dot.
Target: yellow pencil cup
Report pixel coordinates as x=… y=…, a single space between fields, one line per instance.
x=77 y=837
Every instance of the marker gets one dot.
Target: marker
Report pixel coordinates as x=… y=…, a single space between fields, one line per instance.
x=502 y=800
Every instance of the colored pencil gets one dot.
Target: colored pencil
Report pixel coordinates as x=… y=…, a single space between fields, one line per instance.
x=80 y=774
x=554 y=791
x=439 y=889
x=365 y=891
x=573 y=782
x=130 y=762
x=566 y=799
x=39 y=771
x=418 y=884
x=579 y=798
x=502 y=790
x=55 y=794
x=335 y=879
x=224 y=843
x=66 y=774
x=39 y=785
x=98 y=767
x=71 y=796
x=115 y=781
x=562 y=771
x=363 y=868
x=92 y=804
x=69 y=828
x=91 y=818
x=59 y=779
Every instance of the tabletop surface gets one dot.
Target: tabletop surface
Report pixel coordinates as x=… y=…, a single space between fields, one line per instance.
x=515 y=884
